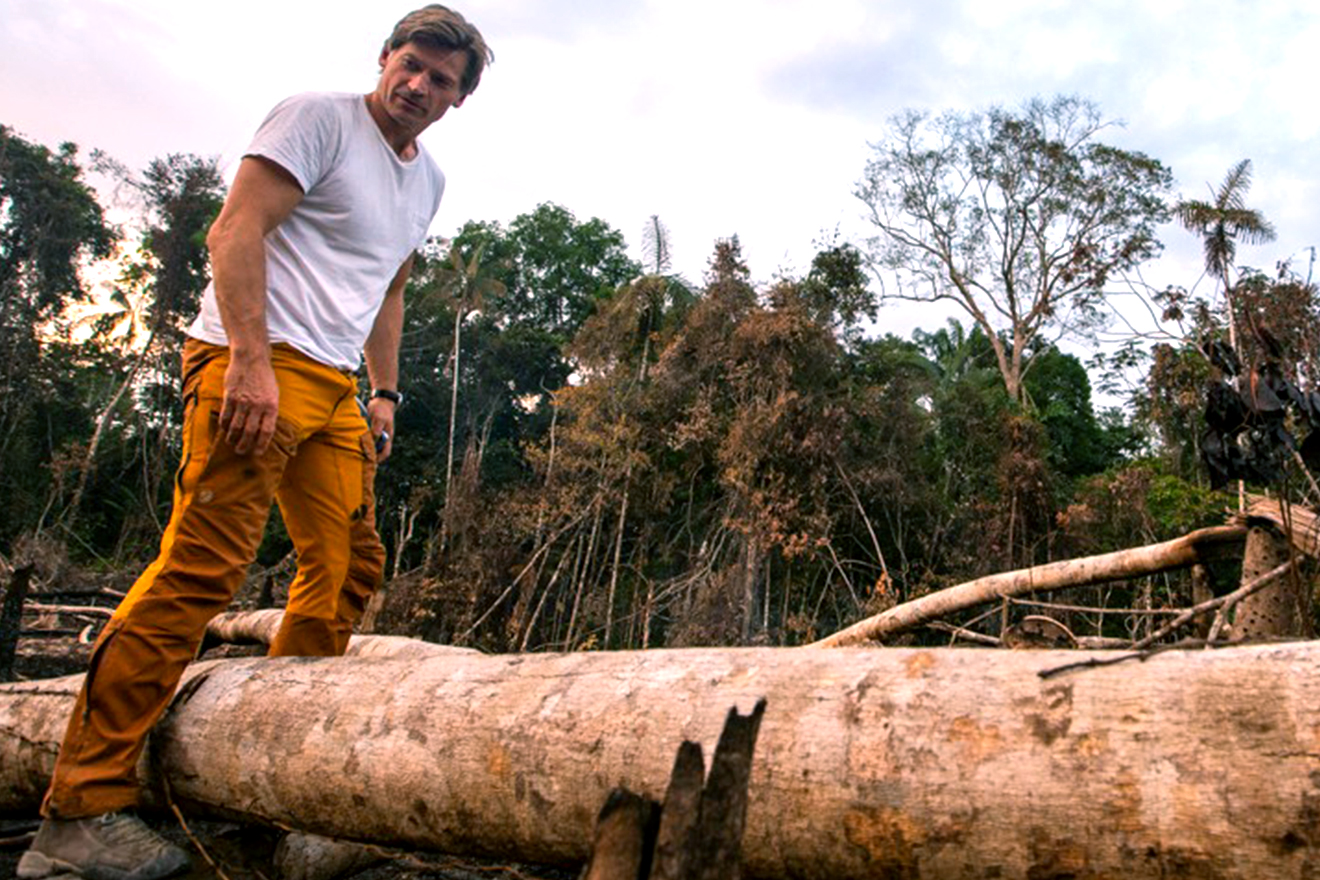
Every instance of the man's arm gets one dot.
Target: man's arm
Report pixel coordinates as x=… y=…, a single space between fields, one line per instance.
x=381 y=352
x=261 y=198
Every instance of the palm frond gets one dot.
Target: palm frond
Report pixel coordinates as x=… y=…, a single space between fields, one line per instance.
x=1234 y=188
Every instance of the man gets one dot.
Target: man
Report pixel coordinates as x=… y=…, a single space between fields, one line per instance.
x=310 y=256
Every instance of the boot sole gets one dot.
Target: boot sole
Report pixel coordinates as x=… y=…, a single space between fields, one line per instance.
x=37 y=866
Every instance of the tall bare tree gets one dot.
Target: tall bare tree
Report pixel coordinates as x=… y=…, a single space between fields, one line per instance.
x=1019 y=218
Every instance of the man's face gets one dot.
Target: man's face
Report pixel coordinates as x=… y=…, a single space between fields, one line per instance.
x=418 y=84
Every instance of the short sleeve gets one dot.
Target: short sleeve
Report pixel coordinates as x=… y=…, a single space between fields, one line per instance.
x=301 y=135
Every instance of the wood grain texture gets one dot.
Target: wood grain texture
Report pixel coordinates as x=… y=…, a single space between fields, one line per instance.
x=870 y=763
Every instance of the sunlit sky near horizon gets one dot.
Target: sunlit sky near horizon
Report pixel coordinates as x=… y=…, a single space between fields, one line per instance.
x=721 y=116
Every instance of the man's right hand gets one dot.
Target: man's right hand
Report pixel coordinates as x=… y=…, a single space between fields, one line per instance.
x=251 y=404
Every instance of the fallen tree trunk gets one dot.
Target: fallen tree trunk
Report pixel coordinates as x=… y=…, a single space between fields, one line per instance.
x=1297 y=522
x=260 y=627
x=1134 y=562
x=870 y=763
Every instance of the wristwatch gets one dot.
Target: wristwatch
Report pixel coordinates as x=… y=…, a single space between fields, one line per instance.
x=393 y=397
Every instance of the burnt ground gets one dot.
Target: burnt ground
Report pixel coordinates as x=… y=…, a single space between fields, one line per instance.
x=222 y=851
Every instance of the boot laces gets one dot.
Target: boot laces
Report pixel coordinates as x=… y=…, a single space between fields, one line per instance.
x=127 y=830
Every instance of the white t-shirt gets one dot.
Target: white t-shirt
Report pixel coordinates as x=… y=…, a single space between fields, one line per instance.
x=363 y=212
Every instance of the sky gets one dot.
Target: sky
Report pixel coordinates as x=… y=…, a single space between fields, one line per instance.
x=722 y=117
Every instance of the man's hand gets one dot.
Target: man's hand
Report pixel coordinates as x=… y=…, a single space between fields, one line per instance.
x=251 y=405
x=380 y=415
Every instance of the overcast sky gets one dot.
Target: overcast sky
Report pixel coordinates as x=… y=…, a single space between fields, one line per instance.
x=747 y=117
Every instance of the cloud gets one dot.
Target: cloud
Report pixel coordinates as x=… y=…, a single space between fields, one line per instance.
x=736 y=116
x=561 y=21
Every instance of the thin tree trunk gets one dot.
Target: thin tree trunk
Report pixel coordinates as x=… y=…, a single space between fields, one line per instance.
x=11 y=617
x=545 y=594
x=618 y=554
x=437 y=546
x=89 y=460
x=581 y=580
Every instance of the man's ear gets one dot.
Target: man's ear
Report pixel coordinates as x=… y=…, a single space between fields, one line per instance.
x=384 y=56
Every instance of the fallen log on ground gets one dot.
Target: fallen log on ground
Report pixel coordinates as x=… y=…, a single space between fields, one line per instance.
x=870 y=763
x=259 y=628
x=1297 y=522
x=1181 y=552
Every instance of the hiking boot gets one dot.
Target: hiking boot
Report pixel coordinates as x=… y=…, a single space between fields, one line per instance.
x=112 y=846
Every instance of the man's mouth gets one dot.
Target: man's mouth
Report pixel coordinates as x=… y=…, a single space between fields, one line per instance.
x=411 y=104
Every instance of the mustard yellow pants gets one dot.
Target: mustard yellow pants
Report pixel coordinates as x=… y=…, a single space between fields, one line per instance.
x=319 y=468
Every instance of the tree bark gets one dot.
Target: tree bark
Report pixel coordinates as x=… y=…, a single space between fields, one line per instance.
x=1281 y=610
x=869 y=764
x=11 y=617
x=1135 y=562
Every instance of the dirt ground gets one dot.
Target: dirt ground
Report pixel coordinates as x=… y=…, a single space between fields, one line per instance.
x=223 y=851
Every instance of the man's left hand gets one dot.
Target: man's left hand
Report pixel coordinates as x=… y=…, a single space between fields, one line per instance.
x=380 y=416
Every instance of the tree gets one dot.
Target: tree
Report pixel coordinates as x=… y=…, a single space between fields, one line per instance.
x=467 y=290
x=1019 y=218
x=1060 y=394
x=553 y=267
x=835 y=291
x=1224 y=220
x=51 y=224
x=181 y=195
x=1220 y=223
x=50 y=221
x=655 y=246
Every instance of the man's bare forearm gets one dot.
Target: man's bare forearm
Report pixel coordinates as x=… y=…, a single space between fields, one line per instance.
x=381 y=350
x=381 y=353
x=238 y=263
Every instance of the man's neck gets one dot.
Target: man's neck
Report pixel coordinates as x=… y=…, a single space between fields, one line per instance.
x=403 y=142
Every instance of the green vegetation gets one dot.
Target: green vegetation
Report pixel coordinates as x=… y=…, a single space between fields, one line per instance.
x=596 y=453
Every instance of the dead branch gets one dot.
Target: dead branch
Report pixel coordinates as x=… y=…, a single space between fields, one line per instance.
x=967 y=635
x=95 y=610
x=1220 y=605
x=1134 y=562
x=1094 y=609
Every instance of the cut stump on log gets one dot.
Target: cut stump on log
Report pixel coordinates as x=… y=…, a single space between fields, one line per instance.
x=696 y=834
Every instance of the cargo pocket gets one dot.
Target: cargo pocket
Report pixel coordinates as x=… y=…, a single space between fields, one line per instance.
x=366 y=500
x=201 y=423
x=94 y=663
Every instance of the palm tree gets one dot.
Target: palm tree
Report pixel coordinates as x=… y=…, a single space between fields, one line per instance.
x=1223 y=222
x=468 y=289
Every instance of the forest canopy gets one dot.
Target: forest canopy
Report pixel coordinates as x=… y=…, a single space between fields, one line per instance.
x=596 y=452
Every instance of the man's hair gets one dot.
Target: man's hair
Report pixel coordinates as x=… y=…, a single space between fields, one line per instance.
x=439 y=27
